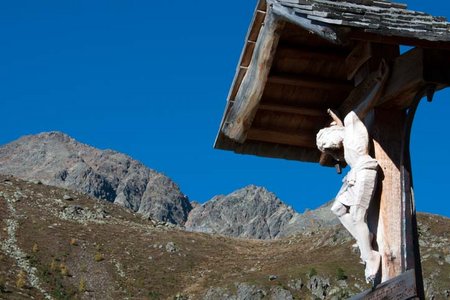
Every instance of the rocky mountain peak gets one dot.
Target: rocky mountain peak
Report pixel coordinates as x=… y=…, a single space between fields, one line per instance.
x=254 y=212
x=250 y=212
x=57 y=159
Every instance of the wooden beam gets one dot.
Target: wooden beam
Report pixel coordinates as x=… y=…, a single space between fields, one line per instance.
x=289 y=109
x=300 y=139
x=406 y=79
x=384 y=215
x=311 y=82
x=359 y=55
x=414 y=70
x=364 y=35
x=305 y=53
x=242 y=112
x=271 y=150
x=367 y=93
x=400 y=287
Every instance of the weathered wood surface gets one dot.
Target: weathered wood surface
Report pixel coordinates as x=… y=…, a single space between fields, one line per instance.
x=250 y=40
x=402 y=287
x=413 y=71
x=311 y=82
x=288 y=13
x=410 y=235
x=387 y=133
x=359 y=55
x=370 y=88
x=250 y=91
x=299 y=139
x=405 y=81
x=364 y=35
x=309 y=69
x=379 y=17
x=266 y=149
x=289 y=109
x=308 y=54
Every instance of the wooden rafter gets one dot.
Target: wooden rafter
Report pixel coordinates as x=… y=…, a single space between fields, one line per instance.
x=289 y=109
x=305 y=53
x=413 y=71
x=361 y=35
x=250 y=91
x=299 y=139
x=311 y=82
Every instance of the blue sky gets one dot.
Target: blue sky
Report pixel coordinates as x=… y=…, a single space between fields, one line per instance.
x=150 y=79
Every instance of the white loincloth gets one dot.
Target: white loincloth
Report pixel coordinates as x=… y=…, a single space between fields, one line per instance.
x=359 y=184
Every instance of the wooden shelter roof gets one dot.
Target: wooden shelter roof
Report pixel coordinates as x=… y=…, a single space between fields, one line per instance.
x=378 y=17
x=304 y=56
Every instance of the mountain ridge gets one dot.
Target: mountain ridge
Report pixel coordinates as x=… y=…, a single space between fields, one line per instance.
x=255 y=212
x=59 y=160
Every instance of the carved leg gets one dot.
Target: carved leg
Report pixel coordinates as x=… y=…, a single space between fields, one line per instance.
x=342 y=212
x=363 y=238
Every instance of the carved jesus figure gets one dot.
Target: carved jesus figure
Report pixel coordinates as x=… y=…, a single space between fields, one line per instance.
x=353 y=199
x=349 y=140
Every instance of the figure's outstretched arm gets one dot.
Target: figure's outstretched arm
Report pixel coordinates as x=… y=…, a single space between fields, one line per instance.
x=335 y=117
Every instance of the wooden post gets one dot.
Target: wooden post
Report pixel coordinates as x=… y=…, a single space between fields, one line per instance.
x=392 y=214
x=386 y=212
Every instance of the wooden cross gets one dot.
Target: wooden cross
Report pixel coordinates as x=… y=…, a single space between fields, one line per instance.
x=302 y=57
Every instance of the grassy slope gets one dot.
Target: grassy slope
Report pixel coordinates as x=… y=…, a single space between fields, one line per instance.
x=124 y=256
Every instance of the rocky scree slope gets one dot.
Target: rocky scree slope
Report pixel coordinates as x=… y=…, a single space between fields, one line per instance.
x=254 y=212
x=60 y=244
x=56 y=159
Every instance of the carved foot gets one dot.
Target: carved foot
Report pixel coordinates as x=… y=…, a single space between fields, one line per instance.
x=372 y=267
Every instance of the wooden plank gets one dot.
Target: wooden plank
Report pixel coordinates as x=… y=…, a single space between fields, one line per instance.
x=262 y=5
x=325 y=20
x=289 y=15
x=414 y=70
x=271 y=150
x=299 y=139
x=289 y=109
x=257 y=22
x=402 y=287
x=247 y=54
x=311 y=82
x=369 y=90
x=305 y=53
x=237 y=81
x=406 y=79
x=241 y=71
x=240 y=115
x=384 y=215
x=365 y=35
x=410 y=237
x=359 y=55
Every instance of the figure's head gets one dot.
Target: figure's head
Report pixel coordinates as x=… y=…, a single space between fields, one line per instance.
x=330 y=140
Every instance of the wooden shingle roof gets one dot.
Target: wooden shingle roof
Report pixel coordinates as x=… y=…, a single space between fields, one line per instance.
x=374 y=16
x=302 y=57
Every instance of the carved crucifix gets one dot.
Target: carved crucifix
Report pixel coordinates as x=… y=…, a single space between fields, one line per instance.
x=348 y=140
x=375 y=144
x=302 y=57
